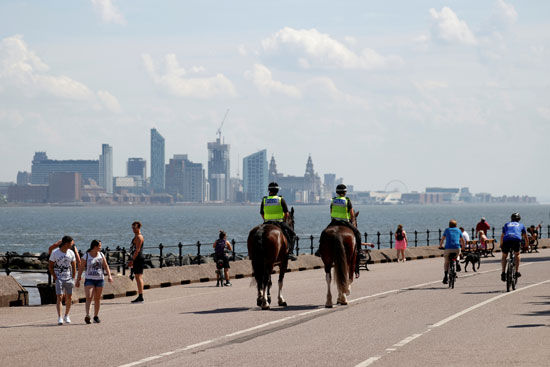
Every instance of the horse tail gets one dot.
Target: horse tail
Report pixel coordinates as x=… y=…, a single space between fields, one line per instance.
x=340 y=263
x=258 y=259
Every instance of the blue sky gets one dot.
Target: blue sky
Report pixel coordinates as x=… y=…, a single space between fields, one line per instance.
x=433 y=93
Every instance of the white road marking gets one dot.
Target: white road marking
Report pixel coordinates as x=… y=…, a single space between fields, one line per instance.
x=446 y=320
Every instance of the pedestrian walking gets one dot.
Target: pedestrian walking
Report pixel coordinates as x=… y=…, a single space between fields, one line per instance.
x=62 y=266
x=137 y=259
x=401 y=243
x=95 y=265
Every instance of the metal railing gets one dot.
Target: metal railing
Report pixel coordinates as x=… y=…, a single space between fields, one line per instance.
x=119 y=257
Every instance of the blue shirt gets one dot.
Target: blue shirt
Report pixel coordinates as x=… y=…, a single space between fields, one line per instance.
x=513 y=231
x=452 y=238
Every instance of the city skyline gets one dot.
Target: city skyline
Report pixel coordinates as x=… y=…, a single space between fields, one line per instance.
x=406 y=90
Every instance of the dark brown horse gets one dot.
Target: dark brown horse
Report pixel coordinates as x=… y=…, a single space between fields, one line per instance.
x=268 y=247
x=337 y=247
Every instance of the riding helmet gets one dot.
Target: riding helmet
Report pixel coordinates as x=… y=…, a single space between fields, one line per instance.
x=273 y=187
x=516 y=217
x=341 y=189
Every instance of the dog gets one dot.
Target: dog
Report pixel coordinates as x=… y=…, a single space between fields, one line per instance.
x=473 y=258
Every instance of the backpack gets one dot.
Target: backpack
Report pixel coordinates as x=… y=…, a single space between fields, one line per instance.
x=399 y=235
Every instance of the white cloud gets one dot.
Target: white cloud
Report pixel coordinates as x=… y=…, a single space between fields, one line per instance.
x=544 y=112
x=175 y=83
x=263 y=80
x=448 y=28
x=109 y=101
x=109 y=13
x=505 y=12
x=242 y=50
x=23 y=73
x=427 y=85
x=318 y=50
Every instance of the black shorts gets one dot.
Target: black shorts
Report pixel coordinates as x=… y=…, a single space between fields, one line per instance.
x=225 y=260
x=138 y=265
x=508 y=245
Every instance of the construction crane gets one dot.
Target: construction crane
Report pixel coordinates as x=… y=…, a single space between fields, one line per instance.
x=219 y=132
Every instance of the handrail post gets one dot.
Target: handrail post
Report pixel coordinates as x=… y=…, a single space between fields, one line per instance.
x=199 y=252
x=297 y=245
x=440 y=235
x=124 y=261
x=415 y=238
x=49 y=277
x=180 y=256
x=494 y=232
x=107 y=256
x=161 y=257
x=7 y=264
x=233 y=243
x=473 y=233
x=311 y=239
x=366 y=237
x=391 y=239
x=428 y=237
x=378 y=239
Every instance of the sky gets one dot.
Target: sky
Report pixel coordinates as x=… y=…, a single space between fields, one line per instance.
x=430 y=93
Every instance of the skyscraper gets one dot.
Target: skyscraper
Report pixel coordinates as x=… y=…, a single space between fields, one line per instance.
x=42 y=167
x=185 y=179
x=157 y=161
x=106 y=168
x=218 y=170
x=255 y=176
x=136 y=167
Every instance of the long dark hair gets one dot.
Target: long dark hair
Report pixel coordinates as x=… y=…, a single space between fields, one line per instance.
x=94 y=244
x=223 y=235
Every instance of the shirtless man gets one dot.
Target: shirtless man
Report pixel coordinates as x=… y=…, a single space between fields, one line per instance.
x=137 y=260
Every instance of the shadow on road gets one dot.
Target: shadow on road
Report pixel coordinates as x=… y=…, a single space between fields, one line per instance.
x=218 y=310
x=484 y=292
x=30 y=325
x=537 y=313
x=241 y=309
x=525 y=326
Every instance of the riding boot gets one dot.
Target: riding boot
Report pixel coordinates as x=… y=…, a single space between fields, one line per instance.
x=446 y=278
x=291 y=241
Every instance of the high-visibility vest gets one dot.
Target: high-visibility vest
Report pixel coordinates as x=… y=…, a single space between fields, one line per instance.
x=273 y=209
x=339 y=208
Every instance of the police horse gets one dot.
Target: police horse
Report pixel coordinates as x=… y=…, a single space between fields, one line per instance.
x=267 y=248
x=337 y=247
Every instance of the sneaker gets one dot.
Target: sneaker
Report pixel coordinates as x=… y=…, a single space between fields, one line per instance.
x=97 y=320
x=60 y=320
x=228 y=284
x=139 y=299
x=87 y=319
x=445 y=280
x=518 y=274
x=503 y=277
x=67 y=319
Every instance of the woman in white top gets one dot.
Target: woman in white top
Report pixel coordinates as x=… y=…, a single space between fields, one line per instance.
x=95 y=264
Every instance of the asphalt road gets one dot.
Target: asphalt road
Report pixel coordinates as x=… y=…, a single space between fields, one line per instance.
x=399 y=314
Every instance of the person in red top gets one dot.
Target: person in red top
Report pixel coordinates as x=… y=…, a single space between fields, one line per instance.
x=483 y=226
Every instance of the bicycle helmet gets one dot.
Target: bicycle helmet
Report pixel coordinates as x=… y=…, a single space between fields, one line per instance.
x=273 y=187
x=515 y=217
x=341 y=189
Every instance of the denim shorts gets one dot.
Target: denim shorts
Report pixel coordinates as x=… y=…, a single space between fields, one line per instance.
x=94 y=283
x=64 y=286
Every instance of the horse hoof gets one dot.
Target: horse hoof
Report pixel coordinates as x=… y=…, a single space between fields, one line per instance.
x=342 y=303
x=328 y=306
x=282 y=304
x=265 y=307
x=259 y=303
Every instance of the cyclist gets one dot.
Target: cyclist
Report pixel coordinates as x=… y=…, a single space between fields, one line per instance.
x=510 y=240
x=274 y=210
x=219 y=254
x=454 y=242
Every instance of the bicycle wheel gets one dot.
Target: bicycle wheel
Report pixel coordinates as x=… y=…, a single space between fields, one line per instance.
x=509 y=279
x=514 y=279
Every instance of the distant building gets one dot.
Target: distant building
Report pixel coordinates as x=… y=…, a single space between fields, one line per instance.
x=236 y=193
x=28 y=193
x=136 y=167
x=255 y=176
x=64 y=187
x=296 y=189
x=106 y=168
x=23 y=178
x=218 y=170
x=157 y=162
x=42 y=167
x=185 y=179
x=448 y=195
x=329 y=185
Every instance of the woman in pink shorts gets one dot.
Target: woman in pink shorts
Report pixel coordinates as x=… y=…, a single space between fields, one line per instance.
x=400 y=243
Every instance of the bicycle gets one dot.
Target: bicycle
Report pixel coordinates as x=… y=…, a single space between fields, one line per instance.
x=452 y=270
x=511 y=278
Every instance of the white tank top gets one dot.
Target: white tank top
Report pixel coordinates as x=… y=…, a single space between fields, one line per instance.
x=94 y=266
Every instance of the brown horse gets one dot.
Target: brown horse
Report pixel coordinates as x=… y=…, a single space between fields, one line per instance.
x=337 y=247
x=268 y=247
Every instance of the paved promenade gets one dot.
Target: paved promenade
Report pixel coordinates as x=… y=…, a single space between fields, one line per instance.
x=399 y=314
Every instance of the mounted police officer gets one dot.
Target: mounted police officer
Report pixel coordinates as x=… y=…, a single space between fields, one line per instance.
x=275 y=211
x=341 y=212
